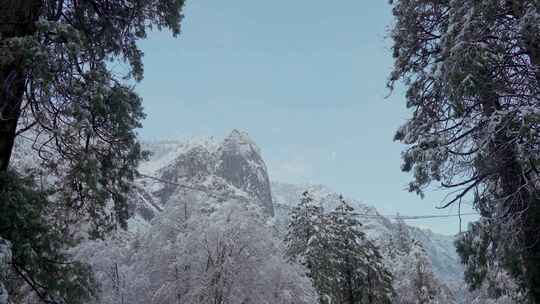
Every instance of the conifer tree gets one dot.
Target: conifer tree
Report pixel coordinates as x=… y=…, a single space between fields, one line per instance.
x=39 y=258
x=344 y=265
x=471 y=69
x=307 y=243
x=59 y=96
x=403 y=237
x=414 y=280
x=358 y=265
x=425 y=287
x=305 y=222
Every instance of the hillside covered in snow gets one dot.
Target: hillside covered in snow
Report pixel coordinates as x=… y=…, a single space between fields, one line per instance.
x=185 y=179
x=204 y=213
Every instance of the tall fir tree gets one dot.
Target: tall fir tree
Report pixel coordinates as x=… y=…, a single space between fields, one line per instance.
x=59 y=96
x=471 y=69
x=307 y=243
x=403 y=238
x=345 y=267
x=425 y=286
x=357 y=263
x=39 y=256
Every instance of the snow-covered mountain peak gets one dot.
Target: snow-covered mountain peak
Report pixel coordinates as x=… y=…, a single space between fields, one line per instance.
x=241 y=163
x=164 y=152
x=240 y=142
x=233 y=166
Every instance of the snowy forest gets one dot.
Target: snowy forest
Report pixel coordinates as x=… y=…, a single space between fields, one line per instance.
x=93 y=213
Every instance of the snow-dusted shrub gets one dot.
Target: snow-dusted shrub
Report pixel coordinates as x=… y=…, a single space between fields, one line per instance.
x=222 y=253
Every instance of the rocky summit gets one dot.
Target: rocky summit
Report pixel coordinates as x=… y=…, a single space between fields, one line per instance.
x=231 y=168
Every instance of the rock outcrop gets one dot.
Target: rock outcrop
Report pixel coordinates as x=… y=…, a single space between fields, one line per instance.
x=241 y=164
x=178 y=171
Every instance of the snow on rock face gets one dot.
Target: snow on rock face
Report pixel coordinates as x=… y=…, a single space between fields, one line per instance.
x=191 y=166
x=241 y=164
x=231 y=167
x=165 y=152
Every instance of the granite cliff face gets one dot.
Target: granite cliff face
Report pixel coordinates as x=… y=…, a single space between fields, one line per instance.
x=240 y=163
x=187 y=171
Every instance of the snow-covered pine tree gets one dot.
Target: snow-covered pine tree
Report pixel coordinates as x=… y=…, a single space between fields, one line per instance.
x=414 y=281
x=59 y=95
x=344 y=265
x=403 y=238
x=307 y=243
x=472 y=72
x=356 y=262
x=305 y=221
x=425 y=286
x=40 y=266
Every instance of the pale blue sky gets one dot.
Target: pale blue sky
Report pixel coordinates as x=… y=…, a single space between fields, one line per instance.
x=306 y=79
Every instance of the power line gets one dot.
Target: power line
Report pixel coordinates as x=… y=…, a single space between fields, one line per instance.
x=207 y=192
x=365 y=215
x=412 y=217
x=172 y=183
x=200 y=189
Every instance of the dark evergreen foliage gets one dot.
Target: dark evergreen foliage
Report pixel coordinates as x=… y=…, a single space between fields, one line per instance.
x=59 y=96
x=343 y=265
x=362 y=276
x=471 y=69
x=40 y=257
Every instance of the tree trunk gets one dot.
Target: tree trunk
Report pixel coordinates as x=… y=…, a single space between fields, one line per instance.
x=17 y=19
x=520 y=202
x=530 y=233
x=349 y=296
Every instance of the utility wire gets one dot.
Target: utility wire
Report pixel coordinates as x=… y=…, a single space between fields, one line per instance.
x=200 y=189
x=365 y=215
x=172 y=183
x=413 y=217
